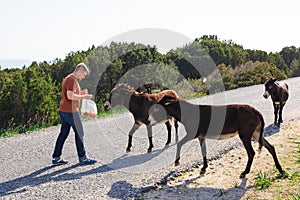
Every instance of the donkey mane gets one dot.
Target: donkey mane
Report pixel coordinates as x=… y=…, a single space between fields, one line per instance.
x=124 y=86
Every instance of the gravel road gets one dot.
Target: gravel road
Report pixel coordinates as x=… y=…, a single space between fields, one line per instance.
x=26 y=171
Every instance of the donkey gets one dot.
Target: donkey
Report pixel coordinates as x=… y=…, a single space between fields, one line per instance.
x=139 y=104
x=216 y=122
x=279 y=94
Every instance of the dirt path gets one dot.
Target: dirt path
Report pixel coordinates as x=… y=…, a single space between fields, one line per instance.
x=222 y=178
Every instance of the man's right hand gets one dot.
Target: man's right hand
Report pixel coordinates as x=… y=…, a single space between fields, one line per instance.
x=88 y=96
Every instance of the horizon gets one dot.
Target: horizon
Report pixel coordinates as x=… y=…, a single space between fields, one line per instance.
x=20 y=63
x=54 y=29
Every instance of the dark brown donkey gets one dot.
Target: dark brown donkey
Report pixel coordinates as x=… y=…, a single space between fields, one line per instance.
x=139 y=104
x=217 y=122
x=279 y=94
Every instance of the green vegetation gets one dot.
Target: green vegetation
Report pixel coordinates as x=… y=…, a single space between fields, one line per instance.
x=298 y=152
x=262 y=181
x=287 y=185
x=29 y=97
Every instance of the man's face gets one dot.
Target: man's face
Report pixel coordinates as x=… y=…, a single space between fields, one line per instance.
x=81 y=74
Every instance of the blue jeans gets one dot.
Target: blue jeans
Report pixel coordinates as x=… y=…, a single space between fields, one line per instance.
x=69 y=120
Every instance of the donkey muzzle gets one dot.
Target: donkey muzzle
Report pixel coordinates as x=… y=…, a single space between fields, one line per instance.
x=266 y=94
x=107 y=105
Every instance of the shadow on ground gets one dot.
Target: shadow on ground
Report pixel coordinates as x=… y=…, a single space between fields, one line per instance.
x=63 y=173
x=237 y=191
x=271 y=130
x=34 y=179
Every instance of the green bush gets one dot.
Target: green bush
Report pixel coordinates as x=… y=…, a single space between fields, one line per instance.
x=256 y=73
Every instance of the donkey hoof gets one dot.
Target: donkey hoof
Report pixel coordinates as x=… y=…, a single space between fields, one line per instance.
x=242 y=176
x=202 y=172
x=150 y=148
x=128 y=150
x=283 y=173
x=177 y=163
x=167 y=145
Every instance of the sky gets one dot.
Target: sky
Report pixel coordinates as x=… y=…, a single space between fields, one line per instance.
x=39 y=30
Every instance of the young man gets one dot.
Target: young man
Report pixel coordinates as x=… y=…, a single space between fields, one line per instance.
x=70 y=116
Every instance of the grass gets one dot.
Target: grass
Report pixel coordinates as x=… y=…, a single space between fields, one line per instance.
x=298 y=152
x=9 y=132
x=287 y=185
x=12 y=131
x=262 y=181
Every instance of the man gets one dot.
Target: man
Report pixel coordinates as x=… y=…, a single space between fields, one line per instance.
x=70 y=116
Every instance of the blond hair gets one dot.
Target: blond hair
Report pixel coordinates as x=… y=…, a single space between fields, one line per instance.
x=82 y=66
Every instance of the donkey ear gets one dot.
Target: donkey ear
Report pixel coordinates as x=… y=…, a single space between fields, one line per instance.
x=166 y=100
x=265 y=79
x=274 y=79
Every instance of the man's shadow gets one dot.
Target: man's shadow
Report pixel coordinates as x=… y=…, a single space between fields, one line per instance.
x=34 y=179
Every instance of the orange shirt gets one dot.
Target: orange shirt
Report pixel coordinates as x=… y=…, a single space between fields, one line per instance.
x=69 y=84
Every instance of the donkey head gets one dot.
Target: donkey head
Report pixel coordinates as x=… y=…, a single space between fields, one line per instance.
x=269 y=87
x=118 y=96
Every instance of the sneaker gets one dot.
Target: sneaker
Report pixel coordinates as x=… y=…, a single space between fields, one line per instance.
x=59 y=161
x=87 y=161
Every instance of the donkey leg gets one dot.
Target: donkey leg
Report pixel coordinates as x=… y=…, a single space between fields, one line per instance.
x=280 y=114
x=276 y=108
x=149 y=130
x=203 y=151
x=131 y=132
x=271 y=149
x=176 y=130
x=179 y=145
x=250 y=152
x=169 y=128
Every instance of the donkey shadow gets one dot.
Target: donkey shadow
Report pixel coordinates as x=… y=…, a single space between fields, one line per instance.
x=271 y=130
x=237 y=191
x=124 y=190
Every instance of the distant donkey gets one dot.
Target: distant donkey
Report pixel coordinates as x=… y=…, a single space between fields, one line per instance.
x=279 y=94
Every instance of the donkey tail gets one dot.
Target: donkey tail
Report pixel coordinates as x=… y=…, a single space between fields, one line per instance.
x=261 y=135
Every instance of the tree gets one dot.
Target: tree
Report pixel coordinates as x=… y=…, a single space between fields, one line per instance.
x=12 y=98
x=289 y=54
x=277 y=60
x=257 y=55
x=294 y=69
x=41 y=106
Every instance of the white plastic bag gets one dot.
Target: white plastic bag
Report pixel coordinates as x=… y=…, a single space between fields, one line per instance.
x=89 y=108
